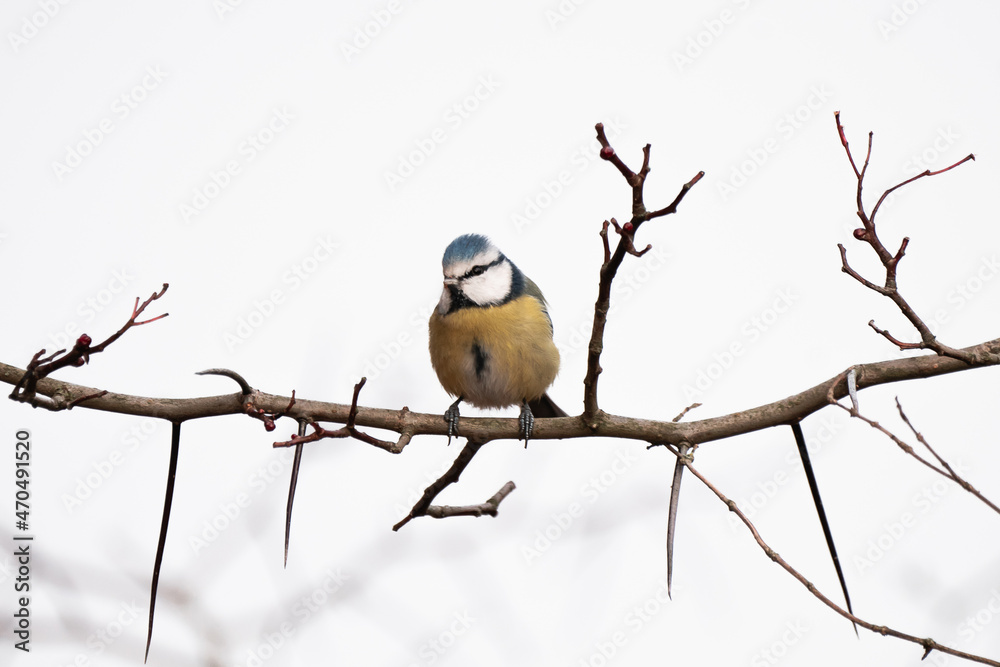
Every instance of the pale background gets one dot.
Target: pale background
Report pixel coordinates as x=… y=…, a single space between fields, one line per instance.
x=757 y=265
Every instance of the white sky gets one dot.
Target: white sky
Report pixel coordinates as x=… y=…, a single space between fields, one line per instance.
x=241 y=154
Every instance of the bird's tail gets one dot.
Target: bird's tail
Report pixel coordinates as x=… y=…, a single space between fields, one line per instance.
x=544 y=407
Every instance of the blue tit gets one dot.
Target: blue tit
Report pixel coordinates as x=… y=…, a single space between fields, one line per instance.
x=491 y=335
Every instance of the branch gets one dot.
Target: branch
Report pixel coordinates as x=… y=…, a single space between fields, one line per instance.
x=348 y=430
x=927 y=643
x=409 y=424
x=626 y=233
x=889 y=260
x=25 y=389
x=34 y=387
x=945 y=470
x=489 y=508
x=926 y=172
x=248 y=394
x=423 y=506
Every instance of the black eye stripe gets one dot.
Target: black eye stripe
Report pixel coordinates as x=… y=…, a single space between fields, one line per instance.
x=480 y=269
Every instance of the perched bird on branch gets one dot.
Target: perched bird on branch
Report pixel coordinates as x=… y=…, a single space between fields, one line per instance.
x=491 y=335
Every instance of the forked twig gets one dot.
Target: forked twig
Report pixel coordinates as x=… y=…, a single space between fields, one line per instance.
x=890 y=261
x=25 y=390
x=348 y=430
x=926 y=642
x=612 y=261
x=945 y=470
x=488 y=508
x=423 y=506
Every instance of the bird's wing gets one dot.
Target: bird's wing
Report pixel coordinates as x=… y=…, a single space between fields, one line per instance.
x=531 y=289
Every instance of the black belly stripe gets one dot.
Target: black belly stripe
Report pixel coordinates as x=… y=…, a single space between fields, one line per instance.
x=480 y=354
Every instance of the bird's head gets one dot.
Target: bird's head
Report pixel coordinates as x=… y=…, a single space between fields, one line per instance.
x=477 y=274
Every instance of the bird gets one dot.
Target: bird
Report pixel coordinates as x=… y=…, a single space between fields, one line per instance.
x=491 y=335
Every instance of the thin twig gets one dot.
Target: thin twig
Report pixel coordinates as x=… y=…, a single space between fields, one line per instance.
x=348 y=430
x=612 y=261
x=945 y=470
x=489 y=508
x=926 y=172
x=890 y=261
x=927 y=643
x=77 y=401
x=685 y=411
x=423 y=506
x=26 y=388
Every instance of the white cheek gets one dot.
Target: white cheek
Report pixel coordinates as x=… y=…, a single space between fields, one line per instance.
x=491 y=287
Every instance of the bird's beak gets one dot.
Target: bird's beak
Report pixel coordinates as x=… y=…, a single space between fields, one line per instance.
x=450 y=281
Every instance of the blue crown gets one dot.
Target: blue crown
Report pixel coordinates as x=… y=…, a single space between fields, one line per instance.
x=464 y=248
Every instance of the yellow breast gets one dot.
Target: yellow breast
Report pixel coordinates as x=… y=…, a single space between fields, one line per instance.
x=495 y=356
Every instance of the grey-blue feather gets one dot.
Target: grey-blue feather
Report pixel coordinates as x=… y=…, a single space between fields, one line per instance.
x=464 y=248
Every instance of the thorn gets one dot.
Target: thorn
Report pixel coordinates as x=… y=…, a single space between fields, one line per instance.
x=293 y=482
x=175 y=444
x=852 y=387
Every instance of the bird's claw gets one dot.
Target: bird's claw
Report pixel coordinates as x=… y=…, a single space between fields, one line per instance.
x=526 y=423
x=451 y=416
